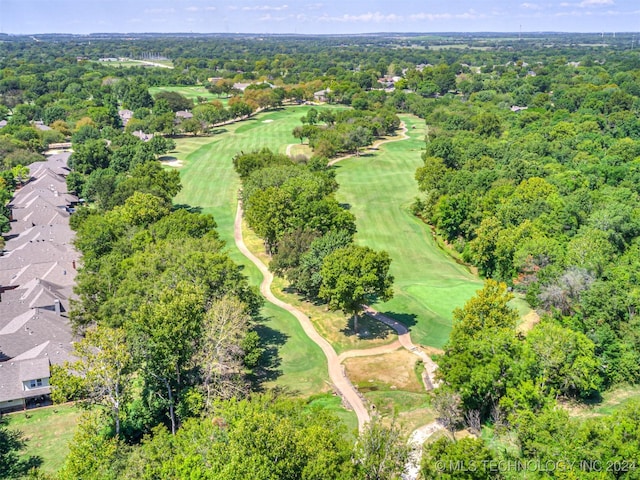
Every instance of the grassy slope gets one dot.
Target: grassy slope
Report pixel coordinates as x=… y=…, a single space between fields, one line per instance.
x=210 y=182
x=47 y=432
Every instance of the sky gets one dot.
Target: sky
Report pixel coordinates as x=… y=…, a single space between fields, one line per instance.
x=316 y=17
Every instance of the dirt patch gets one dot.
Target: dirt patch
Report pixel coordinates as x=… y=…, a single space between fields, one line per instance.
x=267 y=121
x=529 y=321
x=395 y=369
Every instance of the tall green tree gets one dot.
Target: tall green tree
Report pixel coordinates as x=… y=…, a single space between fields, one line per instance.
x=381 y=451
x=480 y=359
x=12 y=462
x=165 y=334
x=105 y=367
x=354 y=275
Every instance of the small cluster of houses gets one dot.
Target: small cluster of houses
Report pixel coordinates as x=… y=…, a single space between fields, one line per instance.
x=37 y=273
x=126 y=115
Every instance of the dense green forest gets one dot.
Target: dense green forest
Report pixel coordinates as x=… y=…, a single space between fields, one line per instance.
x=531 y=175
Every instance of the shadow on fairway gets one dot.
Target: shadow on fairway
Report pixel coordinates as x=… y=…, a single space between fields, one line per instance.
x=188 y=208
x=268 y=368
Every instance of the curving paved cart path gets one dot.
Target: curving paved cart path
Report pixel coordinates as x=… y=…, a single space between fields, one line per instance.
x=334 y=362
x=404 y=338
x=341 y=383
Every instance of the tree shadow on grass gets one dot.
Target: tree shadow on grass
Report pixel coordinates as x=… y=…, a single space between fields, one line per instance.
x=188 y=208
x=268 y=368
x=407 y=319
x=368 y=329
x=593 y=400
x=12 y=443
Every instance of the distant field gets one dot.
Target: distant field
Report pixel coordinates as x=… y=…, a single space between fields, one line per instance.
x=191 y=92
x=47 y=432
x=456 y=46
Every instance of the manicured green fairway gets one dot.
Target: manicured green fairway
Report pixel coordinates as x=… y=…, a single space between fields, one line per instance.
x=379 y=188
x=428 y=283
x=210 y=182
x=192 y=92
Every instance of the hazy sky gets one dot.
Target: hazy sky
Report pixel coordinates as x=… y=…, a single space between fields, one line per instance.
x=309 y=16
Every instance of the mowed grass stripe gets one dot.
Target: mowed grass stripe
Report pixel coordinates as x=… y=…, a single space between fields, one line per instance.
x=428 y=283
x=210 y=182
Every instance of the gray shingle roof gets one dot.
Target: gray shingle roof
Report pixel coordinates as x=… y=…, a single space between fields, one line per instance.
x=38 y=252
x=57 y=163
x=59 y=272
x=37 y=274
x=42 y=332
x=57 y=233
x=13 y=373
x=33 y=369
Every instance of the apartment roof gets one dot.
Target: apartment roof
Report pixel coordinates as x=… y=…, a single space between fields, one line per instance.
x=13 y=373
x=56 y=233
x=59 y=272
x=58 y=163
x=36 y=333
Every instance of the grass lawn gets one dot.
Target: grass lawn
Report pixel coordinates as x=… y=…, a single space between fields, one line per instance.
x=428 y=283
x=210 y=182
x=410 y=410
x=611 y=401
x=192 y=92
x=333 y=403
x=47 y=432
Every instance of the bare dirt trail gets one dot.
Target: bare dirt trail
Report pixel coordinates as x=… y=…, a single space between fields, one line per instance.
x=370 y=352
x=416 y=440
